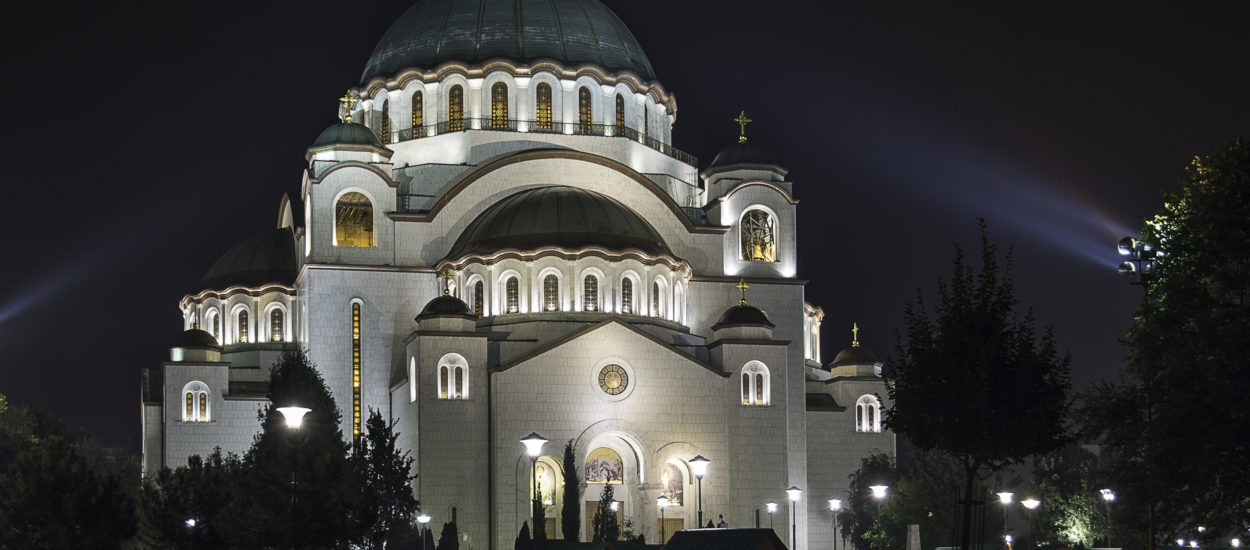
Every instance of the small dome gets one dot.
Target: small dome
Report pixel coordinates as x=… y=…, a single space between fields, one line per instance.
x=572 y=32
x=854 y=355
x=445 y=305
x=195 y=338
x=743 y=315
x=346 y=133
x=265 y=258
x=747 y=152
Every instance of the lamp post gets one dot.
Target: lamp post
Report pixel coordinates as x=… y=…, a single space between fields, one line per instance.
x=1005 y=499
x=834 y=506
x=662 y=502
x=422 y=520
x=699 y=465
x=879 y=493
x=534 y=447
x=294 y=417
x=1140 y=260
x=772 y=509
x=1031 y=504
x=794 y=493
x=1108 y=496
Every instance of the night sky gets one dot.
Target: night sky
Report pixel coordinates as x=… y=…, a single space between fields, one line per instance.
x=141 y=140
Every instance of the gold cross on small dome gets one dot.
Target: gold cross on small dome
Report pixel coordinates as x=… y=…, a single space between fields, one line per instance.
x=854 y=335
x=742 y=286
x=446 y=276
x=742 y=121
x=349 y=101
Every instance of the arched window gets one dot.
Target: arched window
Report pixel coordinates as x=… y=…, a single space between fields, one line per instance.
x=583 y=110
x=452 y=382
x=455 y=109
x=759 y=236
x=755 y=389
x=646 y=120
x=353 y=221
x=511 y=292
x=499 y=106
x=195 y=402
x=418 y=110
x=543 y=106
x=590 y=293
x=627 y=295
x=620 y=114
x=478 y=291
x=276 y=328
x=551 y=293
x=412 y=380
x=656 y=299
x=384 y=126
x=240 y=327
x=356 y=373
x=868 y=414
x=212 y=323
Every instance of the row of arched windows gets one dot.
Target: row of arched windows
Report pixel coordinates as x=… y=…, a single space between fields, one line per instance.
x=195 y=402
x=868 y=414
x=755 y=390
x=552 y=299
x=240 y=332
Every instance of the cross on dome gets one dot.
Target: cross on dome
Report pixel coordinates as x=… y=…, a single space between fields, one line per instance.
x=742 y=286
x=854 y=335
x=348 y=100
x=446 y=276
x=742 y=121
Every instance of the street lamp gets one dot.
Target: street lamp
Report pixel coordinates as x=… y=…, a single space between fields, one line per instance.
x=662 y=502
x=879 y=493
x=422 y=520
x=1031 y=504
x=794 y=493
x=1108 y=496
x=1236 y=543
x=1139 y=260
x=1005 y=499
x=699 y=465
x=772 y=509
x=294 y=417
x=835 y=505
x=534 y=447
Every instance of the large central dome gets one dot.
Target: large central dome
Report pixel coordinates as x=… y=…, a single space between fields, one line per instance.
x=570 y=31
x=565 y=217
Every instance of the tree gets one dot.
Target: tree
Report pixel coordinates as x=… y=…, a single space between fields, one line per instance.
x=449 y=539
x=973 y=380
x=1172 y=422
x=858 y=518
x=1066 y=480
x=606 y=528
x=570 y=515
x=205 y=491
x=523 y=540
x=386 y=501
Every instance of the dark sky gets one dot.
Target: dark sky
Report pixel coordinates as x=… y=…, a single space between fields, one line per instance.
x=141 y=140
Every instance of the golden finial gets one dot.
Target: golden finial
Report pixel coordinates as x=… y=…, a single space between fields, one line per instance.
x=742 y=286
x=446 y=276
x=854 y=335
x=742 y=121
x=348 y=100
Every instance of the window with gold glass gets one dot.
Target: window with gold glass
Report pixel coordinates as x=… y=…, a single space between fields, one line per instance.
x=418 y=109
x=620 y=114
x=499 y=106
x=755 y=384
x=478 y=292
x=240 y=327
x=384 y=125
x=356 y=374
x=195 y=402
x=590 y=293
x=551 y=293
x=275 y=325
x=655 y=300
x=613 y=379
x=543 y=106
x=759 y=236
x=452 y=373
x=353 y=221
x=583 y=110
x=455 y=109
x=511 y=292
x=627 y=295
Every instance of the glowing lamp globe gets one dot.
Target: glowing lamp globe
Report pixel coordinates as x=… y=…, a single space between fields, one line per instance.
x=879 y=491
x=662 y=502
x=1107 y=495
x=794 y=493
x=699 y=464
x=835 y=504
x=772 y=506
x=1005 y=497
x=294 y=416
x=423 y=519
x=1031 y=503
x=534 y=444
x=1125 y=246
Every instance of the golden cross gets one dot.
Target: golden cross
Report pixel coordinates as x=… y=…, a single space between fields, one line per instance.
x=350 y=101
x=742 y=121
x=742 y=286
x=854 y=335
x=446 y=276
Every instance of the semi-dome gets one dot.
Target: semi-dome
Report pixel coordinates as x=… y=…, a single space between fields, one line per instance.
x=265 y=258
x=854 y=355
x=572 y=32
x=741 y=316
x=559 y=216
x=196 y=338
x=346 y=133
x=445 y=305
x=746 y=152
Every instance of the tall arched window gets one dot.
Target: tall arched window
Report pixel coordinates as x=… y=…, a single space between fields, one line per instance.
x=543 y=106
x=759 y=236
x=511 y=293
x=452 y=380
x=418 y=110
x=356 y=374
x=353 y=221
x=656 y=299
x=590 y=293
x=240 y=327
x=478 y=292
x=620 y=114
x=755 y=390
x=868 y=414
x=275 y=325
x=627 y=295
x=384 y=126
x=455 y=109
x=551 y=293
x=412 y=380
x=212 y=322
x=195 y=402
x=499 y=106
x=583 y=110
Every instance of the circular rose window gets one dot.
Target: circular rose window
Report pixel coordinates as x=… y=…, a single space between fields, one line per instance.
x=613 y=379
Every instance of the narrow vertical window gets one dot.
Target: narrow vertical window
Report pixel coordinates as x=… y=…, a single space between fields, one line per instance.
x=190 y=412
x=384 y=126
x=478 y=289
x=356 y=374
x=754 y=383
x=759 y=388
x=241 y=327
x=275 y=325
x=590 y=294
x=627 y=296
x=646 y=120
x=459 y=389
x=551 y=293
x=442 y=382
x=418 y=111
x=204 y=407
x=759 y=236
x=583 y=110
x=455 y=109
x=511 y=296
x=353 y=221
x=746 y=389
x=543 y=106
x=620 y=114
x=499 y=106
x=655 y=299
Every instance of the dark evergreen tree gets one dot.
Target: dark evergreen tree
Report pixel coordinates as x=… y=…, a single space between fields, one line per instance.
x=570 y=515
x=205 y=492
x=449 y=539
x=1012 y=386
x=523 y=540
x=385 y=502
x=605 y=525
x=540 y=518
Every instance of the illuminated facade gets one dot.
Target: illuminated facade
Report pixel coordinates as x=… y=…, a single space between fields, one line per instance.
x=497 y=241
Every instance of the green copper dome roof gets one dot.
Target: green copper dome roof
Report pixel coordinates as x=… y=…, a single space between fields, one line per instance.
x=265 y=258
x=346 y=133
x=573 y=32
x=561 y=216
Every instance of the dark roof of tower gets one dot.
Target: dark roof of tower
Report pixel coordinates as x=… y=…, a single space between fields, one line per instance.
x=743 y=315
x=346 y=133
x=854 y=355
x=560 y=216
x=265 y=258
x=195 y=338
x=445 y=305
x=746 y=152
x=572 y=32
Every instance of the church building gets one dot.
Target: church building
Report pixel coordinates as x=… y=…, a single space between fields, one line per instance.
x=499 y=238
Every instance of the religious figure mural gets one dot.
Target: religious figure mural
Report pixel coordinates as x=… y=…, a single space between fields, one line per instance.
x=672 y=483
x=603 y=465
x=546 y=482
